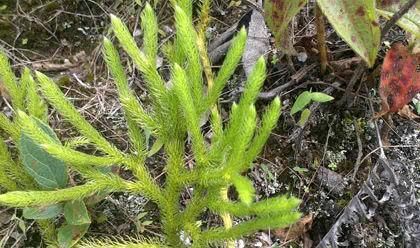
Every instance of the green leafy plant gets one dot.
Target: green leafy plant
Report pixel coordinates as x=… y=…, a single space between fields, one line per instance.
x=35 y=169
x=141 y=223
x=173 y=118
x=303 y=100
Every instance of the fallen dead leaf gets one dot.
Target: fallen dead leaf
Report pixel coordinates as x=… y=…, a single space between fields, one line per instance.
x=257 y=43
x=297 y=230
x=407 y=113
x=345 y=64
x=399 y=79
x=75 y=61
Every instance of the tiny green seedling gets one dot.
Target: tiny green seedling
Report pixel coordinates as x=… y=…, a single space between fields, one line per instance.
x=303 y=100
x=267 y=172
x=300 y=169
x=141 y=222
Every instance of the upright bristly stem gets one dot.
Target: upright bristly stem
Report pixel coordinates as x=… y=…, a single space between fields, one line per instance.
x=201 y=42
x=227 y=220
x=170 y=206
x=322 y=47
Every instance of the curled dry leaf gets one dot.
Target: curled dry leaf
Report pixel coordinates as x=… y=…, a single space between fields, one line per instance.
x=399 y=79
x=257 y=43
x=297 y=230
x=407 y=113
x=77 y=60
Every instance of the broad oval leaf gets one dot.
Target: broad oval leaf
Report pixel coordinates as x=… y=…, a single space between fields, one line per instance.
x=48 y=172
x=278 y=15
x=321 y=97
x=356 y=22
x=69 y=235
x=76 y=213
x=43 y=213
x=301 y=101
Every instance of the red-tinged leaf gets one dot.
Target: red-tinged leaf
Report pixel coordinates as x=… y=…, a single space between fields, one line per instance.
x=399 y=78
x=69 y=235
x=278 y=15
x=297 y=230
x=76 y=213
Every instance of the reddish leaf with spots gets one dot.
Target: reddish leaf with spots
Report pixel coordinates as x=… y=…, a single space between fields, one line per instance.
x=399 y=79
x=278 y=15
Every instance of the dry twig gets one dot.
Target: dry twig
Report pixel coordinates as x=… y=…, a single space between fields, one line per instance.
x=360 y=148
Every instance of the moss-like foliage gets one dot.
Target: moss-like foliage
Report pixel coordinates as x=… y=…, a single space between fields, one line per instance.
x=174 y=119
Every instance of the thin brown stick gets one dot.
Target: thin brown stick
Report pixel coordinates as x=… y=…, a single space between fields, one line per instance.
x=322 y=46
x=296 y=78
x=378 y=132
x=360 y=149
x=360 y=69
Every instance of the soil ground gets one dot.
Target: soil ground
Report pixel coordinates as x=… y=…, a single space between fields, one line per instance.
x=62 y=38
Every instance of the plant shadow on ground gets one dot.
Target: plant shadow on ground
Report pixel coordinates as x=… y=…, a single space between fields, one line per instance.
x=56 y=31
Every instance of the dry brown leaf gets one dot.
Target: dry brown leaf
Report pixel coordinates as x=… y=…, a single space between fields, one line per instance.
x=407 y=113
x=75 y=61
x=297 y=230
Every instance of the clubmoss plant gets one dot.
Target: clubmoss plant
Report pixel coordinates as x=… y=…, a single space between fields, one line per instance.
x=174 y=118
